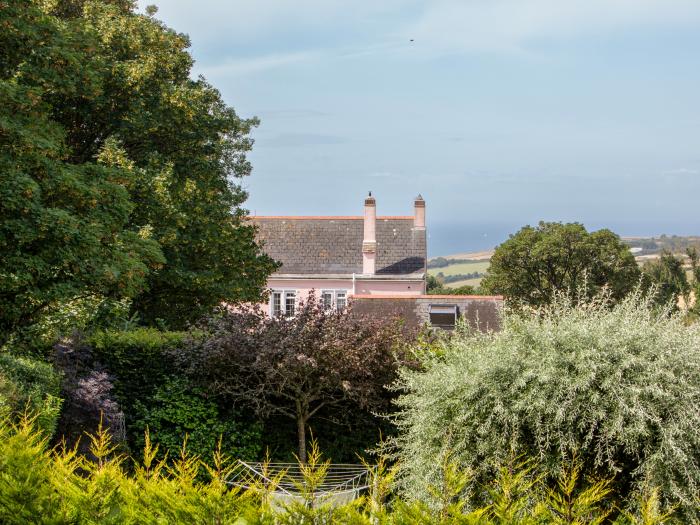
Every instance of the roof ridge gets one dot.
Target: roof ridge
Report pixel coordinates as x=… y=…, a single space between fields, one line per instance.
x=329 y=217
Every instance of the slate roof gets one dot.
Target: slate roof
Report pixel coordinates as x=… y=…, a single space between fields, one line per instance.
x=333 y=245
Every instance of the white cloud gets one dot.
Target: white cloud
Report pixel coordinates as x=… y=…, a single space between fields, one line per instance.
x=682 y=171
x=296 y=140
x=247 y=65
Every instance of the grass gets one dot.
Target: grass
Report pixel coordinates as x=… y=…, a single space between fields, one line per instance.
x=471 y=282
x=462 y=268
x=454 y=269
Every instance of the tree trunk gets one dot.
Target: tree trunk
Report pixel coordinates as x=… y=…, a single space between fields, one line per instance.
x=301 y=435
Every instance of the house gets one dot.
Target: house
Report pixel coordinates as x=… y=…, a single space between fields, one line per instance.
x=378 y=262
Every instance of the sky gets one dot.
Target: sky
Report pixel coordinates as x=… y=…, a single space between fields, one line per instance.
x=500 y=113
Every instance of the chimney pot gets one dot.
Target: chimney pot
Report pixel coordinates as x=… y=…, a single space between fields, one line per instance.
x=369 y=241
x=419 y=213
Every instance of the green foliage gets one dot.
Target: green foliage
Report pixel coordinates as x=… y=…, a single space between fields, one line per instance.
x=694 y=298
x=648 y=510
x=436 y=287
x=139 y=363
x=84 y=315
x=42 y=486
x=511 y=492
x=177 y=409
x=153 y=393
x=569 y=503
x=345 y=433
x=183 y=150
x=28 y=479
x=138 y=358
x=30 y=385
x=667 y=274
x=535 y=263
x=64 y=225
x=118 y=169
x=295 y=367
x=455 y=277
x=442 y=262
x=618 y=387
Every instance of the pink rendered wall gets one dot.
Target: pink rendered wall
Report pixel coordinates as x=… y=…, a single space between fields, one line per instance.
x=304 y=286
x=372 y=287
x=362 y=287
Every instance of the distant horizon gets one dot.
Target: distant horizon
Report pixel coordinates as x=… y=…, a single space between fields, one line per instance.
x=497 y=112
x=452 y=239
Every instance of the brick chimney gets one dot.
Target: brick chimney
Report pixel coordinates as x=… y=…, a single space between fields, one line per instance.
x=369 y=242
x=419 y=213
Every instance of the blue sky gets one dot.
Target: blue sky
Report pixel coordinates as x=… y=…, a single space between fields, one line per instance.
x=499 y=112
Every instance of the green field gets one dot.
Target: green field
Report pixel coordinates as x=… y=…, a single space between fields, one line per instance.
x=453 y=269
x=471 y=282
x=462 y=268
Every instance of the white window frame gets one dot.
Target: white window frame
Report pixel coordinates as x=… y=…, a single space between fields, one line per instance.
x=284 y=294
x=335 y=295
x=337 y=298
x=331 y=301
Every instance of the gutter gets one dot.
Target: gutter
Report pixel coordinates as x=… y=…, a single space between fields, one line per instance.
x=355 y=277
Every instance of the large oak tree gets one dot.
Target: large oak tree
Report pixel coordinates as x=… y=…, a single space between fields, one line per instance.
x=536 y=262
x=118 y=170
x=64 y=225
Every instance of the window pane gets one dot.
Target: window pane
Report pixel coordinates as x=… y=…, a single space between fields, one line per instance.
x=327 y=300
x=340 y=300
x=289 y=303
x=276 y=303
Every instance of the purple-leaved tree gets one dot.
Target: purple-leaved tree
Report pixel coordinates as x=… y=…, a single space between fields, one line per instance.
x=296 y=366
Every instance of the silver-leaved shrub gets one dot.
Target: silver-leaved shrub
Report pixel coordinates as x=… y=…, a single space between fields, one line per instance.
x=617 y=388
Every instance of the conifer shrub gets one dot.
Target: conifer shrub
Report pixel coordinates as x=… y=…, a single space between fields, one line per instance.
x=40 y=485
x=27 y=384
x=618 y=388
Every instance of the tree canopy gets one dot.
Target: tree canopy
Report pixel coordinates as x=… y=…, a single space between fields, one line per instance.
x=668 y=275
x=295 y=366
x=537 y=261
x=674 y=283
x=118 y=170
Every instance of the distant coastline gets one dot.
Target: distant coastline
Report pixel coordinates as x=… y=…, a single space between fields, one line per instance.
x=456 y=240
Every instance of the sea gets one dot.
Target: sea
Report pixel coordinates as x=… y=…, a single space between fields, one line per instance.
x=453 y=238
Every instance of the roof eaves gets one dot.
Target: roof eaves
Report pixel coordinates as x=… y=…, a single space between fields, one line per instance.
x=429 y=296
x=358 y=276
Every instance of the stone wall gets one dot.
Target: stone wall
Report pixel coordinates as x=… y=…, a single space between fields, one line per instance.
x=481 y=312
